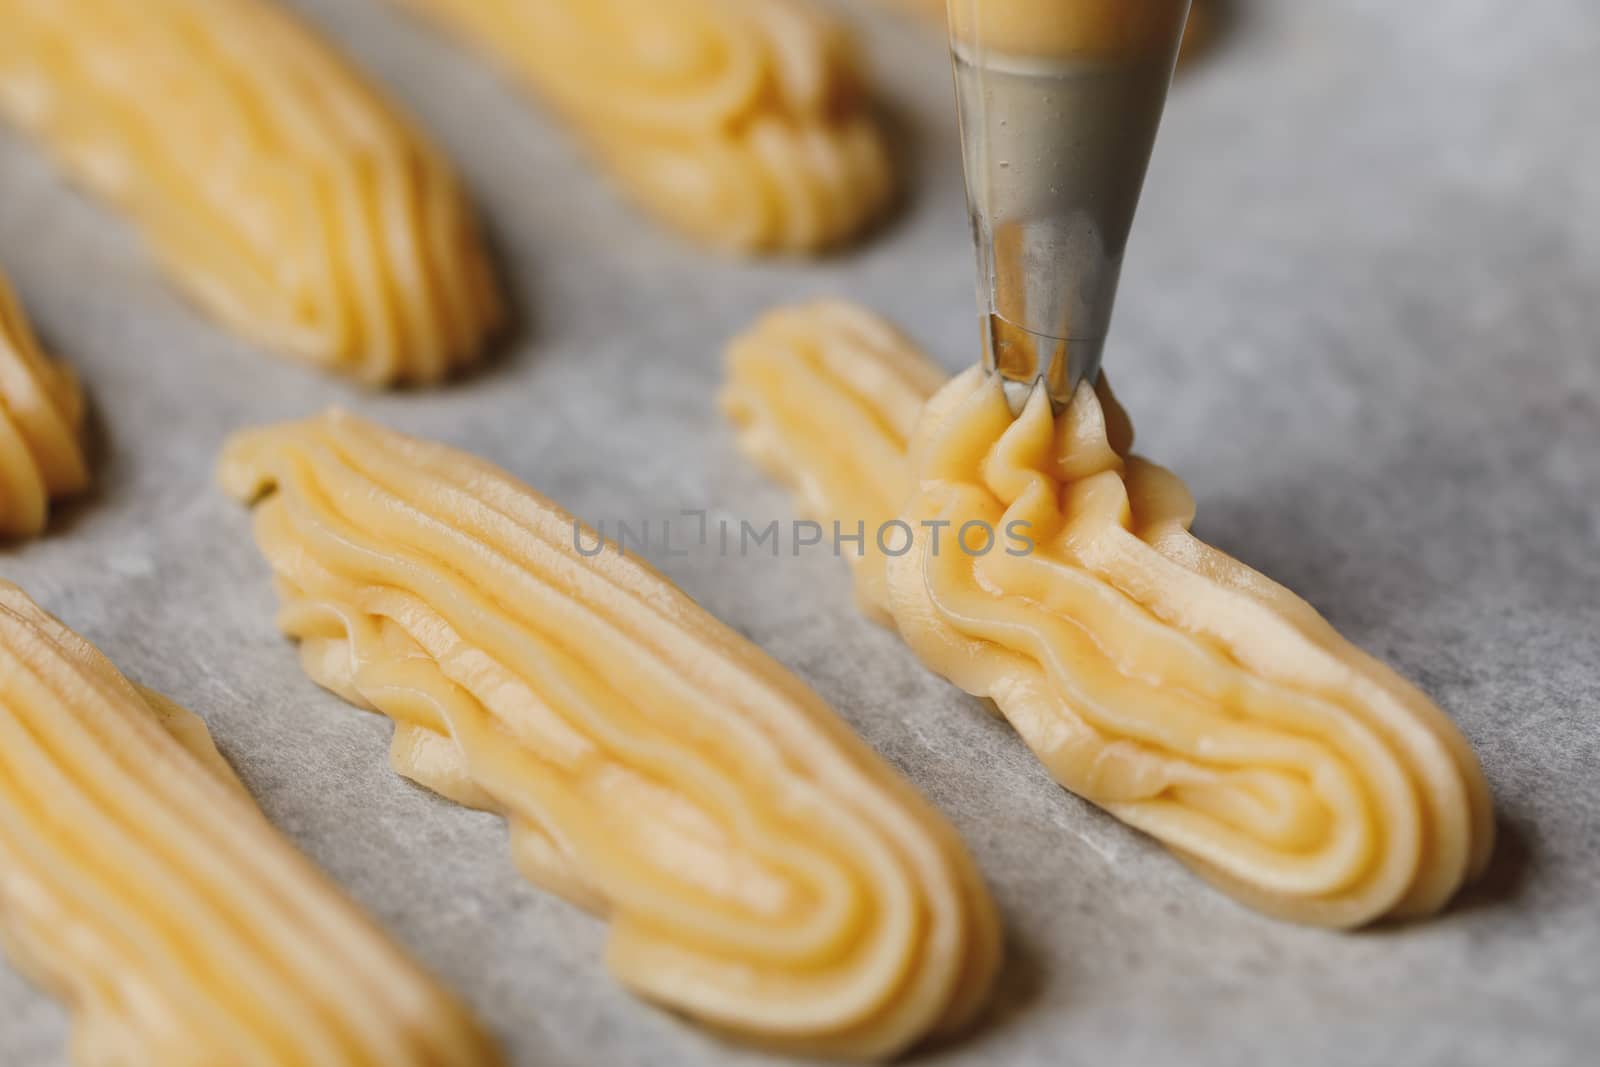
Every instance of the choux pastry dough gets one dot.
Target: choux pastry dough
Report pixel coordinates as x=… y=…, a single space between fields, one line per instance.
x=1153 y=675
x=278 y=187
x=746 y=124
x=851 y=388
x=41 y=426
x=1080 y=27
x=761 y=869
x=140 y=884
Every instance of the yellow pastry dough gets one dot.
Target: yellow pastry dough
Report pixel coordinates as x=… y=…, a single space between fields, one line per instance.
x=825 y=397
x=1070 y=27
x=761 y=868
x=1077 y=27
x=139 y=883
x=1185 y=693
x=277 y=186
x=41 y=426
x=744 y=123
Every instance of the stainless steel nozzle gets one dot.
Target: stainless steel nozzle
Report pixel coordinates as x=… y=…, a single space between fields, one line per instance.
x=1059 y=103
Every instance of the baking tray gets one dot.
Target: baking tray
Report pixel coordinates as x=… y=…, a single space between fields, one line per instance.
x=1360 y=316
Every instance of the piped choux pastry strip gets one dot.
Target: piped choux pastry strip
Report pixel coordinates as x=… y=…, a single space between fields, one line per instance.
x=762 y=870
x=41 y=426
x=1155 y=676
x=849 y=387
x=277 y=186
x=745 y=124
x=140 y=884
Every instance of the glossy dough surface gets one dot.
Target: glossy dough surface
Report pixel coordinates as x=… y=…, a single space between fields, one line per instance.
x=140 y=884
x=276 y=185
x=825 y=398
x=743 y=123
x=41 y=426
x=1185 y=693
x=761 y=869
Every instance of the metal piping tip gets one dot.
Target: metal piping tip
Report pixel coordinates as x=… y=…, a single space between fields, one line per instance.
x=1025 y=361
x=1055 y=144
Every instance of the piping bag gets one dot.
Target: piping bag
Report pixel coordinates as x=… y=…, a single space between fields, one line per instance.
x=1059 y=103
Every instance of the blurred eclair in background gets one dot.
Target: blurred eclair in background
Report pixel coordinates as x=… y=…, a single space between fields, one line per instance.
x=278 y=187
x=745 y=124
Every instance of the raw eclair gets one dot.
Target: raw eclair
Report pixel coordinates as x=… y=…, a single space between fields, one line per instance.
x=41 y=426
x=849 y=387
x=1153 y=675
x=141 y=885
x=761 y=869
x=276 y=185
x=746 y=124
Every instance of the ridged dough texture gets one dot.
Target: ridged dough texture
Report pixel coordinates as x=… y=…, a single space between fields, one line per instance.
x=41 y=426
x=140 y=884
x=1188 y=695
x=850 y=387
x=278 y=188
x=762 y=870
x=746 y=124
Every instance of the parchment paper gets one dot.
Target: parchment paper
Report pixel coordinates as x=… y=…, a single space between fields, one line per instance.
x=1361 y=316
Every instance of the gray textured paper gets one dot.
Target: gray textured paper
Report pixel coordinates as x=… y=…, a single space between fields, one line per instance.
x=1361 y=316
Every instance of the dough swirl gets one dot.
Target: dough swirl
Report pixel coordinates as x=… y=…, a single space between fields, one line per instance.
x=275 y=184
x=140 y=884
x=746 y=124
x=1185 y=693
x=761 y=869
x=41 y=426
